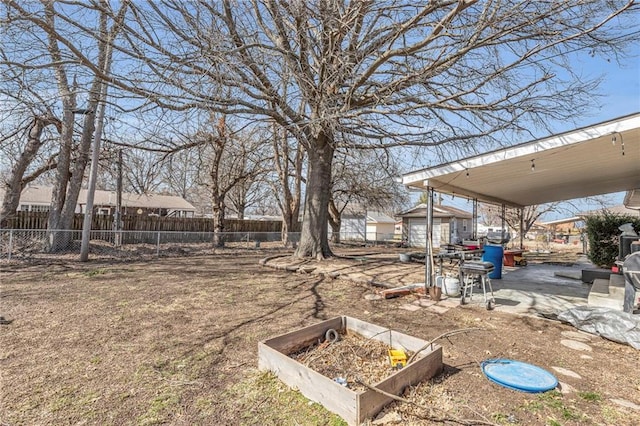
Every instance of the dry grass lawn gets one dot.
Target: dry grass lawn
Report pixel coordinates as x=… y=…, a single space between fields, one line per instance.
x=174 y=341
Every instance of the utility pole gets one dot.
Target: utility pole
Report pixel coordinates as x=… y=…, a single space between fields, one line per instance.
x=93 y=176
x=117 y=217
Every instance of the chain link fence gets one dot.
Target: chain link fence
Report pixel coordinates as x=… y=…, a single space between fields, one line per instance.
x=41 y=244
x=370 y=238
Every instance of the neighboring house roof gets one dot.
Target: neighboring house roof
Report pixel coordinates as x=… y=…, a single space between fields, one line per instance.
x=617 y=210
x=632 y=199
x=359 y=210
x=620 y=210
x=438 y=211
x=561 y=221
x=33 y=195
x=256 y=217
x=354 y=210
x=538 y=226
x=41 y=195
x=149 y=201
x=379 y=217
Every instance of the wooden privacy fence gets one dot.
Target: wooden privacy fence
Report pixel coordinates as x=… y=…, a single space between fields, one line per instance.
x=38 y=220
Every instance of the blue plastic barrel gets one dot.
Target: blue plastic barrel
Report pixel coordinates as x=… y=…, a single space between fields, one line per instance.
x=493 y=253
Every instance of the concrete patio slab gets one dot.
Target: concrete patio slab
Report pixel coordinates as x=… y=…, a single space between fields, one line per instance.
x=539 y=289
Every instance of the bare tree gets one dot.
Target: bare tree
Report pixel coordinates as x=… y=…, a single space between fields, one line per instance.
x=230 y=159
x=181 y=173
x=143 y=171
x=529 y=215
x=17 y=180
x=255 y=161
x=364 y=180
x=288 y=158
x=246 y=194
x=27 y=143
x=364 y=75
x=57 y=37
x=491 y=215
x=377 y=74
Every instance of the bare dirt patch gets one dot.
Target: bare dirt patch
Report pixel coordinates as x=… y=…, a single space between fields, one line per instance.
x=174 y=341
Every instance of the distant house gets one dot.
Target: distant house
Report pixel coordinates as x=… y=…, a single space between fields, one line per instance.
x=569 y=229
x=380 y=226
x=37 y=198
x=361 y=225
x=615 y=210
x=450 y=225
x=353 y=225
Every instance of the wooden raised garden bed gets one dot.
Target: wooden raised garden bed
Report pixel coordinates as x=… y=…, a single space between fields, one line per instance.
x=353 y=405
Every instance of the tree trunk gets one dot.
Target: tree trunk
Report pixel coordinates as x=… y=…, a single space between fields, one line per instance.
x=57 y=240
x=335 y=231
x=290 y=224
x=288 y=199
x=286 y=228
x=218 y=221
x=335 y=221
x=60 y=237
x=15 y=183
x=241 y=209
x=314 y=236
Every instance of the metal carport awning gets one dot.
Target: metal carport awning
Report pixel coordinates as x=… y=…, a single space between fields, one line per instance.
x=599 y=159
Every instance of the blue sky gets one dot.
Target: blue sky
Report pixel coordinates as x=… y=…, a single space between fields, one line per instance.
x=620 y=92
x=620 y=96
x=620 y=88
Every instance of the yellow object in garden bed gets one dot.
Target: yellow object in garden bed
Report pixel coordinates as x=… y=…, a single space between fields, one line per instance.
x=397 y=358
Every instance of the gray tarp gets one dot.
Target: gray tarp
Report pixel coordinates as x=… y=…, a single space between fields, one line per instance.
x=618 y=326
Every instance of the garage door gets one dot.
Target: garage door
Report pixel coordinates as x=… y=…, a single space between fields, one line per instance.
x=418 y=233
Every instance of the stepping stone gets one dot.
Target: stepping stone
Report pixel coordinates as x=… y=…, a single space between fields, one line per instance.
x=627 y=404
x=410 y=308
x=449 y=303
x=566 y=372
x=566 y=388
x=372 y=297
x=574 y=344
x=389 y=418
x=577 y=335
x=437 y=309
x=425 y=303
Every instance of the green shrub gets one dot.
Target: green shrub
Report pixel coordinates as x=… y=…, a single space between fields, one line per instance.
x=603 y=235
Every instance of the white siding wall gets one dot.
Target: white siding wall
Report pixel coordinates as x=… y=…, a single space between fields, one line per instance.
x=380 y=231
x=352 y=228
x=418 y=233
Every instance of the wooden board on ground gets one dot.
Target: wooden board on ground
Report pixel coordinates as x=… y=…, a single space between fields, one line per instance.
x=353 y=407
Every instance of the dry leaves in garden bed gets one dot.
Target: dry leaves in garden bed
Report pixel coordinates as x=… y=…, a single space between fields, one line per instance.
x=351 y=357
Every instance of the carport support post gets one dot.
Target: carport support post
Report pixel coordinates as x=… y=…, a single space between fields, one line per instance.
x=10 y=243
x=521 y=228
x=428 y=259
x=474 y=220
x=503 y=215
